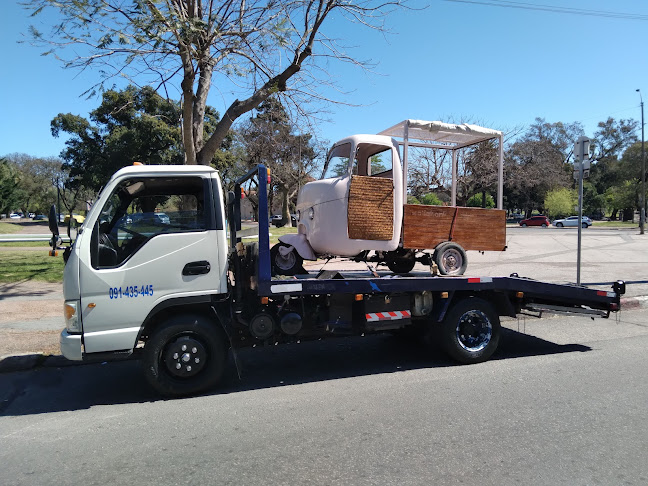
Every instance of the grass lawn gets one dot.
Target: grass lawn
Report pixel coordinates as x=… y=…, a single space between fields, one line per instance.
x=15 y=244
x=275 y=233
x=615 y=224
x=6 y=228
x=16 y=265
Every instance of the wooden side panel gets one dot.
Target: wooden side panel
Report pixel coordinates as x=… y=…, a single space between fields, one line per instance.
x=424 y=227
x=371 y=208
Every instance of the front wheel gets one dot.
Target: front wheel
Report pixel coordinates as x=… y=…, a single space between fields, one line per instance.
x=544 y=225
x=285 y=261
x=523 y=225
x=471 y=331
x=559 y=225
x=450 y=258
x=185 y=355
x=585 y=225
x=401 y=261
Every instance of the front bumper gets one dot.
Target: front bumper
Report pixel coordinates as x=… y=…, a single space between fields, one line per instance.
x=71 y=346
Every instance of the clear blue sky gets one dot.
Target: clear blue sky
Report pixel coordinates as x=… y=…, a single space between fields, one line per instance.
x=501 y=67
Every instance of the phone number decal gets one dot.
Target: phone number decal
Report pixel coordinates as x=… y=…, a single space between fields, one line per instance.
x=130 y=292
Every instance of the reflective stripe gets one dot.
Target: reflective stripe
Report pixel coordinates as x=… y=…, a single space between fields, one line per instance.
x=388 y=316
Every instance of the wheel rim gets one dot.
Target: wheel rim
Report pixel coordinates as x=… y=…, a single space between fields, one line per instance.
x=285 y=262
x=474 y=331
x=185 y=356
x=452 y=260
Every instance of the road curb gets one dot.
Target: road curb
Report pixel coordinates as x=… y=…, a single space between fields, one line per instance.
x=634 y=302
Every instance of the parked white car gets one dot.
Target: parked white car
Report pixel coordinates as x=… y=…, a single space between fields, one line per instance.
x=15 y=216
x=572 y=221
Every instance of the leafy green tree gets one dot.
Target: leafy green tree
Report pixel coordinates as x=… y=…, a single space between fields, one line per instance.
x=431 y=199
x=270 y=138
x=258 y=47
x=10 y=192
x=477 y=201
x=129 y=126
x=560 y=202
x=37 y=178
x=539 y=163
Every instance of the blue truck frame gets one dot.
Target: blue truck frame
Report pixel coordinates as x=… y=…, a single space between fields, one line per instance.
x=521 y=293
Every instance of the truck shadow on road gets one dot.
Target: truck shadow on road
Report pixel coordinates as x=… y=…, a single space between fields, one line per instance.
x=81 y=387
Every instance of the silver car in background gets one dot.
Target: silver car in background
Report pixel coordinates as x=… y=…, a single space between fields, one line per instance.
x=572 y=221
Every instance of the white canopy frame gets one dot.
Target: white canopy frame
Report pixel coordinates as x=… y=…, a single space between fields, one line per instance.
x=447 y=136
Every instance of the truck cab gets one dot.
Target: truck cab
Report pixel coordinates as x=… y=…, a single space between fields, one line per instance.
x=155 y=238
x=358 y=205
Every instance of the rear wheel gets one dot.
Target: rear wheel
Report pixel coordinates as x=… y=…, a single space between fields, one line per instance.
x=544 y=225
x=450 y=258
x=559 y=225
x=585 y=225
x=471 y=331
x=185 y=355
x=523 y=225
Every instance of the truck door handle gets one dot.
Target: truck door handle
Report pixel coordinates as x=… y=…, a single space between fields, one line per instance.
x=196 y=268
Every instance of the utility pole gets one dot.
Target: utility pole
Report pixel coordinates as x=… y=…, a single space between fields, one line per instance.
x=581 y=169
x=642 y=196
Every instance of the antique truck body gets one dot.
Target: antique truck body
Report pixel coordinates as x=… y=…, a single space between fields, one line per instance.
x=359 y=208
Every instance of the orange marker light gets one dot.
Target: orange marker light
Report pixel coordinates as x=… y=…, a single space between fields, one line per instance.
x=359 y=297
x=264 y=300
x=268 y=176
x=137 y=163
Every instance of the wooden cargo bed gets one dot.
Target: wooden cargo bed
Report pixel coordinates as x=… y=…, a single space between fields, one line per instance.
x=424 y=227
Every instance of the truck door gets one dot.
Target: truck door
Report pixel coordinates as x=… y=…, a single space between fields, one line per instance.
x=155 y=238
x=374 y=202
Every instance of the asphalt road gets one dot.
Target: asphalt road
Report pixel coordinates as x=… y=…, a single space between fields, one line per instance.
x=563 y=403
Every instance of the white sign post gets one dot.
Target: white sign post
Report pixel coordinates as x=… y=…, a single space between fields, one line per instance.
x=581 y=167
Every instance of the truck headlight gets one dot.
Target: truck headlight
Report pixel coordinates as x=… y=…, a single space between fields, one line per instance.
x=72 y=320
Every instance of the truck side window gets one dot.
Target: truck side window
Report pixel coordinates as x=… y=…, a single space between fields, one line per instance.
x=143 y=208
x=374 y=160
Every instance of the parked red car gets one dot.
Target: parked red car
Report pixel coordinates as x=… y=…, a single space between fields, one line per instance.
x=536 y=221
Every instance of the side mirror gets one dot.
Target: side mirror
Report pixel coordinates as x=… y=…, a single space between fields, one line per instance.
x=53 y=223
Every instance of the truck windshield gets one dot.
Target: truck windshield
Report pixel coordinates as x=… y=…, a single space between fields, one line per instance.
x=338 y=161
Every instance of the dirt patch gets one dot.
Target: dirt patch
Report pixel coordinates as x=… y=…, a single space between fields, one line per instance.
x=30 y=310
x=14 y=343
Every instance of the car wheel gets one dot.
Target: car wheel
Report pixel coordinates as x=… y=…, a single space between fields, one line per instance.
x=401 y=261
x=288 y=264
x=470 y=331
x=450 y=258
x=559 y=225
x=185 y=355
x=524 y=225
x=585 y=225
x=544 y=225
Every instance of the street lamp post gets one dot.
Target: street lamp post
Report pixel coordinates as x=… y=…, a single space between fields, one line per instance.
x=642 y=196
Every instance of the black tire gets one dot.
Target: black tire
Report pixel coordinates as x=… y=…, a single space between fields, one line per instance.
x=544 y=225
x=585 y=225
x=470 y=331
x=290 y=264
x=450 y=258
x=401 y=261
x=523 y=225
x=185 y=355
x=559 y=225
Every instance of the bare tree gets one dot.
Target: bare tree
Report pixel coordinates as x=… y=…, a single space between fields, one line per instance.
x=258 y=46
